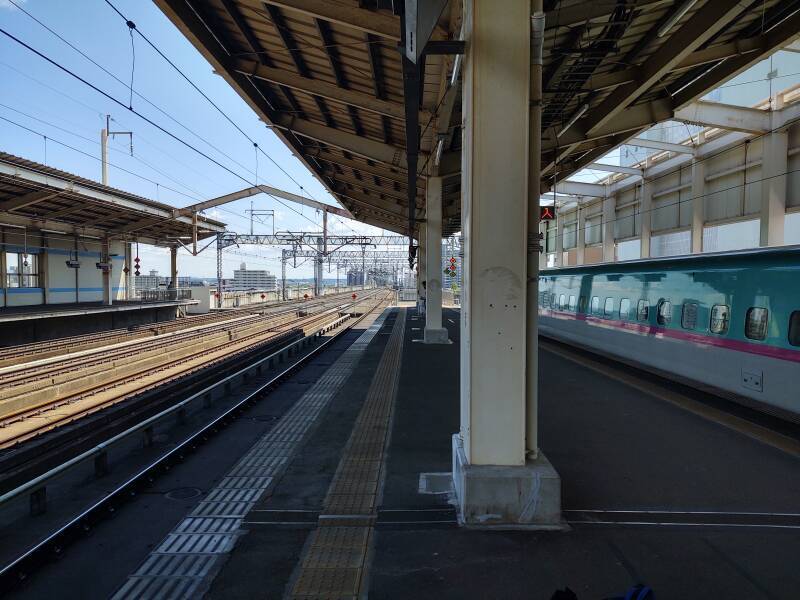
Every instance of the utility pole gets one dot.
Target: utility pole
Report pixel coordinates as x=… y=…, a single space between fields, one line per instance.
x=363 y=267
x=104 y=133
x=283 y=273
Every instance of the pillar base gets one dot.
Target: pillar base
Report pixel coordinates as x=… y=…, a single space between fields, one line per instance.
x=436 y=336
x=506 y=497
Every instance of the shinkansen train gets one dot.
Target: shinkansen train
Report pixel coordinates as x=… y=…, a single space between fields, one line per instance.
x=728 y=322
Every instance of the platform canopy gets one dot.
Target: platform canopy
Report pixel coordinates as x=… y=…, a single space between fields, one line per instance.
x=357 y=106
x=37 y=196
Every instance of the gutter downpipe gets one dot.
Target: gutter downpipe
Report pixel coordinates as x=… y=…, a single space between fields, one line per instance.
x=534 y=183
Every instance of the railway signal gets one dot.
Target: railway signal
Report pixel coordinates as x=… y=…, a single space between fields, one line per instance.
x=546 y=213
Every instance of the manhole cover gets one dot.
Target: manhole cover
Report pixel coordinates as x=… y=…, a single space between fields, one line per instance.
x=185 y=493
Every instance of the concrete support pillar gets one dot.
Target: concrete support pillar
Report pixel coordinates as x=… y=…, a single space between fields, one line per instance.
x=173 y=269
x=129 y=275
x=581 y=248
x=105 y=257
x=609 y=215
x=422 y=266
x=494 y=483
x=543 y=255
x=559 y=222
x=44 y=270
x=773 y=188
x=698 y=204
x=434 y=332
x=645 y=216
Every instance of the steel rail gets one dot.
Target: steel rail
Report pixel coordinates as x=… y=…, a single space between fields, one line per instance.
x=16 y=570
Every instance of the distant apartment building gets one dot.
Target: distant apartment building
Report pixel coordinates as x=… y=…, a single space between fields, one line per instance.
x=154 y=281
x=248 y=279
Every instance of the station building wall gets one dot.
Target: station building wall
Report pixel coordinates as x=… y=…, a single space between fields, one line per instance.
x=54 y=281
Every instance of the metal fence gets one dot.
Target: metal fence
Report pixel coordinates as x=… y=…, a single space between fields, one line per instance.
x=164 y=295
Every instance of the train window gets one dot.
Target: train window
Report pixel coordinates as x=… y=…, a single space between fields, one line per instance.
x=794 y=328
x=689 y=315
x=643 y=310
x=582 y=304
x=664 y=315
x=625 y=309
x=573 y=303
x=562 y=301
x=720 y=318
x=595 y=305
x=608 y=309
x=755 y=325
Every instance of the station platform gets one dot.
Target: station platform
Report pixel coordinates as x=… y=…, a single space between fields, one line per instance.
x=26 y=324
x=316 y=492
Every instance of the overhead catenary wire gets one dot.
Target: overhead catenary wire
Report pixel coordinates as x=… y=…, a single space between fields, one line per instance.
x=218 y=109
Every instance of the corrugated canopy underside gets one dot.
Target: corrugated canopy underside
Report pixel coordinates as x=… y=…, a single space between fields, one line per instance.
x=327 y=76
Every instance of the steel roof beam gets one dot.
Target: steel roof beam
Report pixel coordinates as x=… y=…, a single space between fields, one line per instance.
x=656 y=145
x=719 y=74
x=361 y=146
x=613 y=169
x=375 y=23
x=709 y=20
x=578 y=188
x=26 y=200
x=365 y=168
x=724 y=116
x=317 y=87
x=578 y=14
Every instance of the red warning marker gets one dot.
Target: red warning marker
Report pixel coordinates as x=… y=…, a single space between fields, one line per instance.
x=305 y=296
x=354 y=296
x=263 y=296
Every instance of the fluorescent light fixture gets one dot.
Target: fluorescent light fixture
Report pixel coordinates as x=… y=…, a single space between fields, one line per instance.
x=573 y=120
x=676 y=16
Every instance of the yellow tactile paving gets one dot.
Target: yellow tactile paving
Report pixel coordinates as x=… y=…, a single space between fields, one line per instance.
x=336 y=556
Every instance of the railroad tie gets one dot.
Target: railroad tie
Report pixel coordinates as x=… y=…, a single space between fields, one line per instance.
x=335 y=558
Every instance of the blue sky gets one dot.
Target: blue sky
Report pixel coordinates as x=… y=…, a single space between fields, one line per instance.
x=57 y=107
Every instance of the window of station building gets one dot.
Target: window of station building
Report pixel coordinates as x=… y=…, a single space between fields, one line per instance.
x=794 y=328
x=22 y=270
x=595 y=305
x=755 y=325
x=664 y=315
x=643 y=310
x=573 y=303
x=625 y=309
x=689 y=315
x=562 y=301
x=720 y=318
x=608 y=309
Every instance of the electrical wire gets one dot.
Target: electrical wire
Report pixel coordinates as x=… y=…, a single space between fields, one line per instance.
x=224 y=114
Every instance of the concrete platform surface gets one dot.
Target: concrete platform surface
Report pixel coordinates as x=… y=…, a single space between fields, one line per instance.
x=653 y=494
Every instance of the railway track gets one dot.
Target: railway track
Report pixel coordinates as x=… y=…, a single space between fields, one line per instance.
x=74 y=525
x=40 y=396
x=14 y=355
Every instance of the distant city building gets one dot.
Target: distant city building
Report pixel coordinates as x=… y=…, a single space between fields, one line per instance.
x=355 y=278
x=154 y=281
x=246 y=279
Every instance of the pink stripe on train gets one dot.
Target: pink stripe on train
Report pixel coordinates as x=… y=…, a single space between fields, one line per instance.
x=686 y=336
